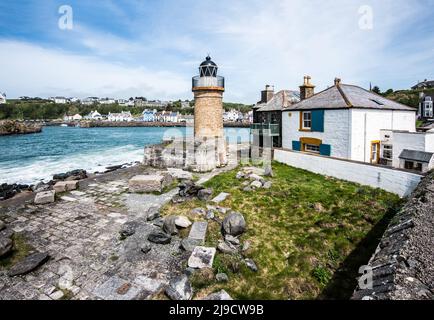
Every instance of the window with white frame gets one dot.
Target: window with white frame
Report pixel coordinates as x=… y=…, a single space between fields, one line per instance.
x=311 y=148
x=387 y=151
x=307 y=120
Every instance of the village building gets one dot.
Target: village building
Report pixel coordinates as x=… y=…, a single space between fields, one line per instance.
x=124 y=116
x=426 y=84
x=107 y=101
x=90 y=101
x=349 y=122
x=267 y=114
x=75 y=117
x=2 y=98
x=59 y=100
x=93 y=115
x=426 y=108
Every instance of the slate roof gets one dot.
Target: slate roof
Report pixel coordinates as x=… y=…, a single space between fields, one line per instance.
x=419 y=156
x=345 y=96
x=424 y=84
x=281 y=100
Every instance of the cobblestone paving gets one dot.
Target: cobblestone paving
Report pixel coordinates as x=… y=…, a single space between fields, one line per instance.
x=88 y=259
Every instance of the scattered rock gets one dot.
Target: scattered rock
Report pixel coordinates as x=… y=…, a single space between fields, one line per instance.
x=221 y=197
x=71 y=175
x=222 y=210
x=204 y=194
x=268 y=171
x=221 y=295
x=202 y=257
x=146 y=184
x=29 y=264
x=159 y=222
x=189 y=189
x=64 y=186
x=45 y=197
x=240 y=175
x=246 y=246
x=234 y=224
x=267 y=185
x=232 y=240
x=210 y=215
x=198 y=231
x=189 y=271
x=226 y=248
x=247 y=189
x=41 y=186
x=189 y=244
x=113 y=168
x=198 y=211
x=153 y=213
x=182 y=222
x=222 y=277
x=169 y=225
x=146 y=248
x=178 y=199
x=159 y=238
x=256 y=184
x=180 y=174
x=2 y=225
x=6 y=245
x=255 y=177
x=180 y=289
x=128 y=230
x=8 y=191
x=251 y=265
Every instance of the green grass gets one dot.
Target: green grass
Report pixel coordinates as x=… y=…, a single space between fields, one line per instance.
x=20 y=250
x=301 y=253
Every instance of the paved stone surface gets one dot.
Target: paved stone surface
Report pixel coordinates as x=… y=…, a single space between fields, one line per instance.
x=149 y=183
x=198 y=231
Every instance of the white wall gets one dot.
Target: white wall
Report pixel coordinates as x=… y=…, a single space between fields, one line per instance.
x=367 y=124
x=396 y=181
x=336 y=131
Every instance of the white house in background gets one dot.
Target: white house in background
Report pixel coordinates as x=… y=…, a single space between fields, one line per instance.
x=90 y=101
x=343 y=121
x=124 y=116
x=75 y=117
x=107 y=101
x=232 y=116
x=59 y=100
x=93 y=115
x=2 y=98
x=73 y=100
x=149 y=115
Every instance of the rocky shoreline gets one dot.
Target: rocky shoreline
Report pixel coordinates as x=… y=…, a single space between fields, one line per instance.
x=11 y=127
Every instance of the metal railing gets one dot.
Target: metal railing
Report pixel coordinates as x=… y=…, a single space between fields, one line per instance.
x=199 y=82
x=266 y=129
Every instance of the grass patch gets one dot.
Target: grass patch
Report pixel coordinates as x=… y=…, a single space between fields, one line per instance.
x=302 y=252
x=20 y=250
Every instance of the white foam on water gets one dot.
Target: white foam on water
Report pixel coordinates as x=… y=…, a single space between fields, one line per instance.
x=43 y=168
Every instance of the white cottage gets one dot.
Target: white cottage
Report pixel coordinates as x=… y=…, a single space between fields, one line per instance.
x=343 y=121
x=124 y=116
x=2 y=98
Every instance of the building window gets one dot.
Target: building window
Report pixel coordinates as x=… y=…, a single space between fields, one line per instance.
x=307 y=120
x=387 y=151
x=375 y=151
x=411 y=165
x=311 y=148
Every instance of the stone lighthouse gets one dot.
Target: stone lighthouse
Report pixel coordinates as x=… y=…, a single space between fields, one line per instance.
x=208 y=90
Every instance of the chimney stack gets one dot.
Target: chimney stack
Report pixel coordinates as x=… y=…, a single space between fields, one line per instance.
x=307 y=90
x=267 y=94
x=337 y=81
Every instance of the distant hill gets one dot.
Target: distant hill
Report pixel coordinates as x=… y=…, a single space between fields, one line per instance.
x=407 y=97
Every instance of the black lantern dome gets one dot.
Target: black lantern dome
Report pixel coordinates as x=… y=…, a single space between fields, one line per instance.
x=208 y=68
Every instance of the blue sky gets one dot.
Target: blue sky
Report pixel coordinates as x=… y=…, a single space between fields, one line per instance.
x=152 y=48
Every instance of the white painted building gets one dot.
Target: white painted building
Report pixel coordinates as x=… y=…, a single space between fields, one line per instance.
x=93 y=115
x=75 y=117
x=232 y=116
x=107 y=101
x=90 y=101
x=59 y=100
x=344 y=121
x=2 y=98
x=124 y=116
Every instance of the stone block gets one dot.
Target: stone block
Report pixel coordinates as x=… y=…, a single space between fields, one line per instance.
x=64 y=186
x=201 y=258
x=198 y=231
x=221 y=197
x=150 y=183
x=45 y=197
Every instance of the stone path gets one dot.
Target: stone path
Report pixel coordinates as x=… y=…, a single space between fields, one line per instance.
x=88 y=259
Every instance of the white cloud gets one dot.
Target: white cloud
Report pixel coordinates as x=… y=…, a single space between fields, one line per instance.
x=31 y=70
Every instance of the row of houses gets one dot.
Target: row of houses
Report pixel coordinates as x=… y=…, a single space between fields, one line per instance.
x=237 y=116
x=344 y=121
x=126 y=116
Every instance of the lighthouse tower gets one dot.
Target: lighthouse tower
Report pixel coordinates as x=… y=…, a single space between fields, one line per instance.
x=208 y=90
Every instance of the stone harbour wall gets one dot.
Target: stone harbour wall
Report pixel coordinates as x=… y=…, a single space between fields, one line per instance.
x=403 y=264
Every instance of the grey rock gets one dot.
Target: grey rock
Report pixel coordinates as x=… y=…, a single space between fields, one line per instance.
x=142 y=183
x=146 y=248
x=226 y=248
x=29 y=264
x=204 y=194
x=210 y=215
x=159 y=222
x=45 y=197
x=268 y=171
x=128 y=229
x=240 y=175
x=221 y=295
x=221 y=197
x=267 y=185
x=251 y=265
x=169 y=225
x=232 y=240
x=189 y=271
x=222 y=277
x=179 y=288
x=2 y=225
x=153 y=213
x=189 y=244
x=256 y=184
x=201 y=258
x=247 y=189
x=198 y=211
x=198 y=231
x=255 y=177
x=246 y=246
x=182 y=222
x=234 y=224
x=159 y=238
x=6 y=245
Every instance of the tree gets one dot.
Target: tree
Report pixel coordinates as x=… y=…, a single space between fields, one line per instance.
x=376 y=89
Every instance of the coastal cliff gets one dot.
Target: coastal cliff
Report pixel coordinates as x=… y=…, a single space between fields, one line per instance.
x=9 y=127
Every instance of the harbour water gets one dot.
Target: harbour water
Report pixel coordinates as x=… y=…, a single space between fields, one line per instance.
x=30 y=158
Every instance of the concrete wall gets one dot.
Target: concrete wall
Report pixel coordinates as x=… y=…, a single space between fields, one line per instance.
x=366 y=126
x=336 y=131
x=396 y=181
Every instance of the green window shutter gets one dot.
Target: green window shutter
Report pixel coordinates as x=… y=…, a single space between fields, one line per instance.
x=296 y=145
x=325 y=150
x=318 y=120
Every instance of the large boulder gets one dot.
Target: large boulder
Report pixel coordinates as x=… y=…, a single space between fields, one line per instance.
x=182 y=222
x=204 y=194
x=145 y=184
x=234 y=224
x=6 y=246
x=179 y=288
x=64 y=186
x=189 y=189
x=169 y=225
x=45 y=197
x=29 y=264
